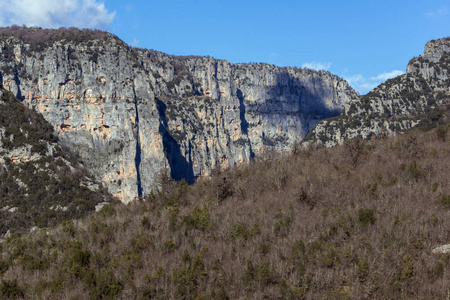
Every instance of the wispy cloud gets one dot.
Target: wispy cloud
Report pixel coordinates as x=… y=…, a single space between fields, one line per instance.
x=315 y=65
x=364 y=85
x=437 y=13
x=135 y=42
x=56 y=13
x=387 y=75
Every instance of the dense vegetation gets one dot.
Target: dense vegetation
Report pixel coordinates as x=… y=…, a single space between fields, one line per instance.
x=40 y=184
x=23 y=126
x=357 y=221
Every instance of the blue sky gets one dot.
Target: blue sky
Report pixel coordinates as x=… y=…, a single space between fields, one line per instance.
x=364 y=42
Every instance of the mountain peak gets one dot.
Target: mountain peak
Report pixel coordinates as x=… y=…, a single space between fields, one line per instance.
x=435 y=49
x=397 y=104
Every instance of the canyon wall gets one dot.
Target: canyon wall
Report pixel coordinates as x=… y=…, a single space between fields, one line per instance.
x=129 y=113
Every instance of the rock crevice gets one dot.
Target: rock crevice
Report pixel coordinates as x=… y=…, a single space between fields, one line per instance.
x=137 y=157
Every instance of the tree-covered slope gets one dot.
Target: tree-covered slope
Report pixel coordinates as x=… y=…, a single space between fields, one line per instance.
x=357 y=221
x=40 y=184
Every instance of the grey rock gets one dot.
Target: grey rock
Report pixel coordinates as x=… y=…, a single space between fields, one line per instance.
x=99 y=206
x=441 y=249
x=130 y=113
x=397 y=104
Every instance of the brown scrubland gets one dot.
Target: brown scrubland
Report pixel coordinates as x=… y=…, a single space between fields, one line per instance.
x=356 y=221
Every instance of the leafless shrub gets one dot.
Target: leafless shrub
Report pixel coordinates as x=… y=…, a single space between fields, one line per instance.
x=408 y=146
x=301 y=196
x=317 y=234
x=279 y=174
x=296 y=148
x=355 y=150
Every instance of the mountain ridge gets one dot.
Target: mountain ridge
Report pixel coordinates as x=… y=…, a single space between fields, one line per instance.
x=397 y=104
x=364 y=220
x=131 y=113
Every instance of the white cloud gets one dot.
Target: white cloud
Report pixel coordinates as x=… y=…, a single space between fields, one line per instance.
x=360 y=83
x=436 y=13
x=387 y=75
x=314 y=65
x=364 y=85
x=56 y=13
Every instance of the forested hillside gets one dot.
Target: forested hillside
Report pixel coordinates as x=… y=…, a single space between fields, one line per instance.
x=356 y=221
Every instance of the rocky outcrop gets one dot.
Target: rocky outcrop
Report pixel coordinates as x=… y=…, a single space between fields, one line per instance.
x=397 y=104
x=441 y=249
x=128 y=113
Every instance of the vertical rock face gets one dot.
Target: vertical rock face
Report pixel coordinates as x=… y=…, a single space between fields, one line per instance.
x=397 y=104
x=128 y=113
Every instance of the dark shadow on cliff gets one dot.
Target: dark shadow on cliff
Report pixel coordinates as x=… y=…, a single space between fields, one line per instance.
x=137 y=158
x=19 y=92
x=244 y=123
x=180 y=166
x=301 y=100
x=307 y=101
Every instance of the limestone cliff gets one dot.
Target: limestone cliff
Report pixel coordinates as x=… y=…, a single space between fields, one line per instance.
x=397 y=104
x=128 y=113
x=40 y=183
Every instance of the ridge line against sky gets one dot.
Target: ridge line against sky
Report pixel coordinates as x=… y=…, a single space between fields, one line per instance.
x=364 y=42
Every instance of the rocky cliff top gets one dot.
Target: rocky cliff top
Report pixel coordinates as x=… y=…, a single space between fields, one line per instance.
x=435 y=49
x=398 y=104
